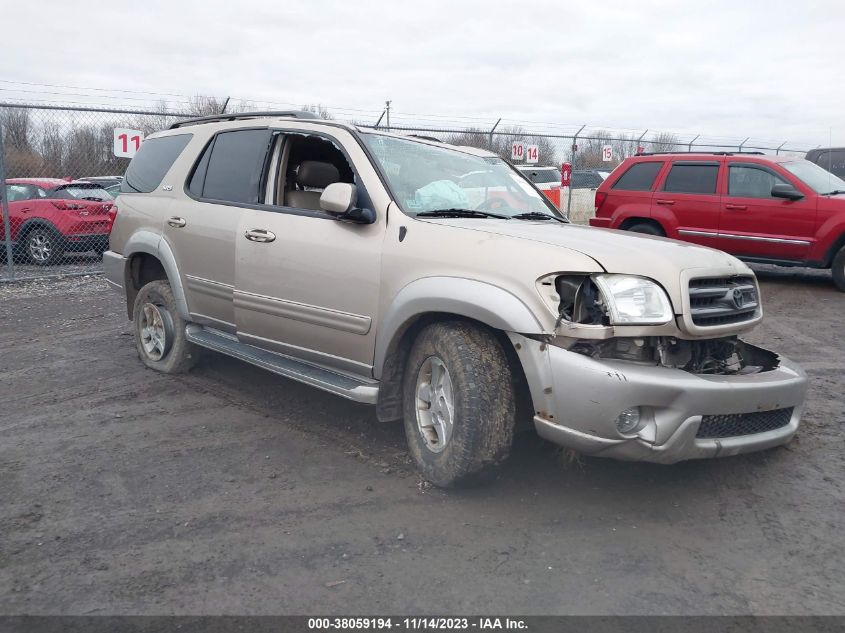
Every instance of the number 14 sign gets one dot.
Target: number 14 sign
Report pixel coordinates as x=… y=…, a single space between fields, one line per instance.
x=127 y=142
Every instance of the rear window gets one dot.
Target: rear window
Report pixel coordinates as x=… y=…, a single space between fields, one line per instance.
x=232 y=167
x=542 y=175
x=686 y=178
x=81 y=192
x=639 y=177
x=152 y=162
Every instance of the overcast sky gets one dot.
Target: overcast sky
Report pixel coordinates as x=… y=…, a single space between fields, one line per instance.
x=770 y=70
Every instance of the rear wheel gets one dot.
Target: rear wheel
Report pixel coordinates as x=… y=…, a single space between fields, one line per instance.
x=838 y=269
x=460 y=404
x=648 y=228
x=160 y=331
x=42 y=246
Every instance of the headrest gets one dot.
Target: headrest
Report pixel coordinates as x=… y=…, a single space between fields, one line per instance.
x=312 y=173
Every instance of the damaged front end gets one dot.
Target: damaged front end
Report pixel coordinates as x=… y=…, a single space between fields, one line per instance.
x=585 y=325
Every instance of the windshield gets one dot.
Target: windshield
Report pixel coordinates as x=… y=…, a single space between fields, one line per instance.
x=426 y=178
x=818 y=179
x=82 y=192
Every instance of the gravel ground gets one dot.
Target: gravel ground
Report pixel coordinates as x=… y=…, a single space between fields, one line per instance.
x=230 y=490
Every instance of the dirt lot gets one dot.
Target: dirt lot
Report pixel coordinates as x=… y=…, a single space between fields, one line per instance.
x=233 y=491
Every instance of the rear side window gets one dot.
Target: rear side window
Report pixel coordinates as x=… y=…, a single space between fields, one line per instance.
x=639 y=177
x=833 y=161
x=233 y=166
x=686 y=178
x=153 y=160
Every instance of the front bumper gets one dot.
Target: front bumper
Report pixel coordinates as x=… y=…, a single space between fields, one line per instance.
x=577 y=400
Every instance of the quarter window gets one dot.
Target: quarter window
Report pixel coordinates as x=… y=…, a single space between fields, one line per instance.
x=639 y=177
x=751 y=182
x=152 y=162
x=692 y=179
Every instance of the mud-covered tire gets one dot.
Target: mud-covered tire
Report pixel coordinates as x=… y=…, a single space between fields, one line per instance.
x=483 y=397
x=646 y=228
x=837 y=269
x=154 y=307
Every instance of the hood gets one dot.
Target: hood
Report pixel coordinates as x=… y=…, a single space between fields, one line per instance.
x=658 y=258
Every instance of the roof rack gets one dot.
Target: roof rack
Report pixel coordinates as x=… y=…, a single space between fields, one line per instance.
x=697 y=152
x=426 y=138
x=239 y=116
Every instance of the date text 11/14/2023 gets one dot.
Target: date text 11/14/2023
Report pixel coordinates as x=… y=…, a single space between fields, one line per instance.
x=417 y=623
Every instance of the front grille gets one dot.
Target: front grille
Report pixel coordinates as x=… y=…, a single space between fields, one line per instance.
x=723 y=300
x=736 y=424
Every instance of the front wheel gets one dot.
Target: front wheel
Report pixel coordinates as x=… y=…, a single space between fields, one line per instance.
x=459 y=403
x=838 y=269
x=160 y=331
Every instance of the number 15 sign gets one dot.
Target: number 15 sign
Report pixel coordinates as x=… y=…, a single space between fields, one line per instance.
x=127 y=142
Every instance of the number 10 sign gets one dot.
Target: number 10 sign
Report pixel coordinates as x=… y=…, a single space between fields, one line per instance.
x=127 y=142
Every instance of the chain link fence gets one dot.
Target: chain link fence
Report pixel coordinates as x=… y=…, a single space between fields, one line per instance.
x=62 y=168
x=61 y=175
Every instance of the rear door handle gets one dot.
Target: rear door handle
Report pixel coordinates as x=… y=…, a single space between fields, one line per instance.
x=260 y=235
x=736 y=207
x=177 y=222
x=665 y=201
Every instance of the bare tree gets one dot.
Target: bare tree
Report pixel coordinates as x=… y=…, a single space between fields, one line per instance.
x=319 y=109
x=16 y=128
x=503 y=139
x=663 y=142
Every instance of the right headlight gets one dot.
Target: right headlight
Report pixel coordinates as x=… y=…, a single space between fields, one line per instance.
x=634 y=300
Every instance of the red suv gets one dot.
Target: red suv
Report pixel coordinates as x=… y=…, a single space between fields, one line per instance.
x=49 y=216
x=768 y=209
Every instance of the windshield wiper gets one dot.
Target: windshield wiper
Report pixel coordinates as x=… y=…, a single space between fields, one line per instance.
x=834 y=192
x=460 y=213
x=537 y=215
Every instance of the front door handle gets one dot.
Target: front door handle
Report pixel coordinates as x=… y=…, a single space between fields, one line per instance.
x=665 y=201
x=736 y=207
x=177 y=222
x=260 y=235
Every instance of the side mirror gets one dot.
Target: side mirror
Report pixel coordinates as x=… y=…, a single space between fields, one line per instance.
x=786 y=191
x=338 y=197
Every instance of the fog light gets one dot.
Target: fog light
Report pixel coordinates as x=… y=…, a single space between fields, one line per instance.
x=628 y=420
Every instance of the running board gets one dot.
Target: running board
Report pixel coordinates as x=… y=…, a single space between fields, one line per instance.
x=325 y=379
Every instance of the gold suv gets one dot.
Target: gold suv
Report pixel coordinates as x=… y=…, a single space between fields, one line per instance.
x=438 y=284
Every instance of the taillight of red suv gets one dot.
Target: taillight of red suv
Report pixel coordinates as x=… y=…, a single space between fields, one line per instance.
x=601 y=196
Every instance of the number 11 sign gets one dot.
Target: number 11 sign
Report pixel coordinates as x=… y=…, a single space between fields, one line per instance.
x=127 y=142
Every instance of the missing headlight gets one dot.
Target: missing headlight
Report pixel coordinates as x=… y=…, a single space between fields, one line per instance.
x=580 y=300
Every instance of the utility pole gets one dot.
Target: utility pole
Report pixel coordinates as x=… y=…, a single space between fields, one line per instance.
x=387 y=111
x=4 y=206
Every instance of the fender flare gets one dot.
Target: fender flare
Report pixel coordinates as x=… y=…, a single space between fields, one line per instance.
x=153 y=244
x=476 y=300
x=27 y=224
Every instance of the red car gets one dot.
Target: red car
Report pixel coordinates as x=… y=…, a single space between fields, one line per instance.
x=49 y=217
x=769 y=209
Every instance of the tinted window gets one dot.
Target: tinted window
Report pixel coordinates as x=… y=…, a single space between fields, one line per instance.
x=236 y=165
x=543 y=175
x=692 y=179
x=751 y=182
x=586 y=180
x=198 y=177
x=833 y=161
x=152 y=162
x=639 y=177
